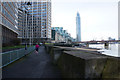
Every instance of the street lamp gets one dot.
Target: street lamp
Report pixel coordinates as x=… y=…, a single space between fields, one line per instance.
x=26 y=5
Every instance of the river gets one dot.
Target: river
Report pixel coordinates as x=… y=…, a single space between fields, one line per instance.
x=112 y=49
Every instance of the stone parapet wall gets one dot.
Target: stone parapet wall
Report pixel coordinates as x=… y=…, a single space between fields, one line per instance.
x=77 y=63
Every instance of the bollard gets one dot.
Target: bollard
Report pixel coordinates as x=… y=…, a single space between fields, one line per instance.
x=87 y=45
x=106 y=45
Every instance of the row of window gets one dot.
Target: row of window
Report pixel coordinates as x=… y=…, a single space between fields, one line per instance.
x=11 y=8
x=11 y=3
x=7 y=15
x=7 y=23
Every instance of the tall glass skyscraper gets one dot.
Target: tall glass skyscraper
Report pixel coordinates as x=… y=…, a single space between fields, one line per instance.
x=78 y=28
x=37 y=22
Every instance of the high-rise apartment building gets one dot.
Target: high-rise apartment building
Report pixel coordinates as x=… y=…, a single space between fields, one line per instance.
x=36 y=24
x=8 y=21
x=78 y=28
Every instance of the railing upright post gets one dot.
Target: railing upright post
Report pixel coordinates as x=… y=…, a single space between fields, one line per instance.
x=10 y=57
x=17 y=54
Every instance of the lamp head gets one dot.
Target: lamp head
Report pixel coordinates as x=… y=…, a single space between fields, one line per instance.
x=28 y=3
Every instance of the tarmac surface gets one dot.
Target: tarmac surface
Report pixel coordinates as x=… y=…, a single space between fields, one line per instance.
x=32 y=66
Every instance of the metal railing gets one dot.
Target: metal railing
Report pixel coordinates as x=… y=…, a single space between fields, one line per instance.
x=11 y=56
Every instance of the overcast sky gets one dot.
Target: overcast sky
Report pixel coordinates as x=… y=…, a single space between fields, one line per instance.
x=99 y=18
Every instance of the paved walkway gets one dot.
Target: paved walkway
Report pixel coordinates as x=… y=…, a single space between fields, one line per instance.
x=32 y=66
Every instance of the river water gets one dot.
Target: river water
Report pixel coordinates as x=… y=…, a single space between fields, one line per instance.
x=112 y=49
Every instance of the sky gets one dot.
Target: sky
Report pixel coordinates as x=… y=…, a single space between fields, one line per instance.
x=99 y=18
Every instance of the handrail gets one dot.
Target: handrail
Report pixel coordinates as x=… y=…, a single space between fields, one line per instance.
x=11 y=56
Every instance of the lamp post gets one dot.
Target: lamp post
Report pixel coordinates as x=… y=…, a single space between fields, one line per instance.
x=26 y=5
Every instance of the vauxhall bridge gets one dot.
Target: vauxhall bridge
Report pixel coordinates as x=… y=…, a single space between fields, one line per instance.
x=99 y=42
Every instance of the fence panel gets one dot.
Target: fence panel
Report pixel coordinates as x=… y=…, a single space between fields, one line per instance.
x=14 y=55
x=10 y=56
x=6 y=58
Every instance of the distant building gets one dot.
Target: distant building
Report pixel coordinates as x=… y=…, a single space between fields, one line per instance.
x=78 y=28
x=111 y=38
x=56 y=34
x=8 y=21
x=60 y=35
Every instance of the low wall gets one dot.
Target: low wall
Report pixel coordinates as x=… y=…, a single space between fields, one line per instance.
x=75 y=63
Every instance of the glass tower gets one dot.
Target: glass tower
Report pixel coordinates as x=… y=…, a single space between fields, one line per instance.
x=36 y=22
x=78 y=28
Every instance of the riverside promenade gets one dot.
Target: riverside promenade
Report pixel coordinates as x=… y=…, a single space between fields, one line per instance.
x=32 y=66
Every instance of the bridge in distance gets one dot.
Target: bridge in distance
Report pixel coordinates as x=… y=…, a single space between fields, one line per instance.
x=102 y=41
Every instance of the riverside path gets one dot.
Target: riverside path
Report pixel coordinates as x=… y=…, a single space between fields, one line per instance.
x=32 y=66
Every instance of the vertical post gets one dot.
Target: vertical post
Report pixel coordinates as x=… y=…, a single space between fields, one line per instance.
x=30 y=35
x=37 y=23
x=41 y=21
x=106 y=45
x=10 y=57
x=23 y=29
x=32 y=22
x=26 y=33
x=17 y=53
x=87 y=44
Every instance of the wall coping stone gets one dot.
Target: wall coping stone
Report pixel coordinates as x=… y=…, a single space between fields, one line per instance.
x=85 y=56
